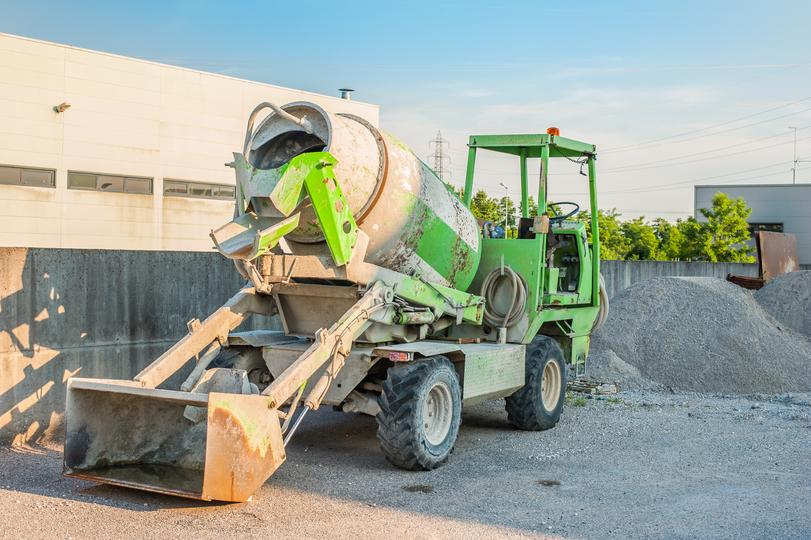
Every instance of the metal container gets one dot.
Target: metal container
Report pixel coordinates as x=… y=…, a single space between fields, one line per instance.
x=415 y=223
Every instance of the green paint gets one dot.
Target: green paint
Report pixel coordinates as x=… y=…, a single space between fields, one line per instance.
x=575 y=311
x=440 y=298
x=435 y=242
x=311 y=174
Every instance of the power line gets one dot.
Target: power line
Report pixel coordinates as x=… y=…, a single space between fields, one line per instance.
x=628 y=168
x=439 y=155
x=704 y=152
x=677 y=185
x=677 y=160
x=623 y=148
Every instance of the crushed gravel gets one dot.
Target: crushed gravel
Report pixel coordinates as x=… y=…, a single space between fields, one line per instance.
x=638 y=465
x=702 y=335
x=788 y=299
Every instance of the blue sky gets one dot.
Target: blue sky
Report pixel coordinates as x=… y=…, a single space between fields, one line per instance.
x=615 y=74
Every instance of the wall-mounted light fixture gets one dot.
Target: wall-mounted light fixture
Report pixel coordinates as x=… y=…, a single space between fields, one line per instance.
x=62 y=107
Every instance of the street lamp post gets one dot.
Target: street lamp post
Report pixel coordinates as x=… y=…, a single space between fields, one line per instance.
x=794 y=163
x=506 y=194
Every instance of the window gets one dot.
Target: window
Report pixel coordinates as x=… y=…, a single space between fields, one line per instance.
x=200 y=190
x=172 y=187
x=138 y=185
x=109 y=182
x=182 y=188
x=26 y=176
x=770 y=227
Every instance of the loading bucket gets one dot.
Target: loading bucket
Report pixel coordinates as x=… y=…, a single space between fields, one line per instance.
x=120 y=433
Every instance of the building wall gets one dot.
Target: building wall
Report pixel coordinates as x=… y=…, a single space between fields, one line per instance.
x=127 y=117
x=789 y=204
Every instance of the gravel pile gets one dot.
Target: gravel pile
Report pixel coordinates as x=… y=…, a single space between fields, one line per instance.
x=699 y=334
x=788 y=299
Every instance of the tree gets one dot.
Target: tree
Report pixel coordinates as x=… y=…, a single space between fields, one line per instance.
x=532 y=206
x=727 y=230
x=613 y=244
x=512 y=212
x=642 y=242
x=722 y=238
x=485 y=207
x=670 y=238
x=695 y=239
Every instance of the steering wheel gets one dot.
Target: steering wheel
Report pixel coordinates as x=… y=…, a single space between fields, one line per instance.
x=553 y=207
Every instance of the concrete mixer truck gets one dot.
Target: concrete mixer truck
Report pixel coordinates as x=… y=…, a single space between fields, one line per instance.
x=388 y=298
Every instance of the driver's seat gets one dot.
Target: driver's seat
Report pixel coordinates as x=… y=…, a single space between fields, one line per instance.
x=525 y=228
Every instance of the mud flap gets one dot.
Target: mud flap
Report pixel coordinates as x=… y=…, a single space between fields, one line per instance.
x=120 y=433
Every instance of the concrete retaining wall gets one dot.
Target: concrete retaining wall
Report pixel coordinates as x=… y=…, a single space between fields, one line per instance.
x=107 y=314
x=92 y=313
x=620 y=274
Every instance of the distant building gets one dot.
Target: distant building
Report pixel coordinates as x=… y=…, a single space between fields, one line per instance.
x=775 y=207
x=103 y=151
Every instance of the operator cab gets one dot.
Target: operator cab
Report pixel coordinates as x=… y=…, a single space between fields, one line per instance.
x=550 y=248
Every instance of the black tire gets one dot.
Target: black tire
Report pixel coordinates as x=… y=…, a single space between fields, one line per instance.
x=405 y=438
x=526 y=408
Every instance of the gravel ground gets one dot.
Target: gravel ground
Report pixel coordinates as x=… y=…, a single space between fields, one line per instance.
x=703 y=335
x=638 y=465
x=788 y=299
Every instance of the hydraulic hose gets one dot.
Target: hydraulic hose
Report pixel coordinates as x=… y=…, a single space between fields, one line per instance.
x=602 y=315
x=303 y=122
x=517 y=303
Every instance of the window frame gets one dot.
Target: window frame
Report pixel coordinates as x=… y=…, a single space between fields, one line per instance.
x=22 y=168
x=767 y=226
x=124 y=178
x=211 y=186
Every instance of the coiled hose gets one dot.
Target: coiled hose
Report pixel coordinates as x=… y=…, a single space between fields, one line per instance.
x=517 y=304
x=602 y=315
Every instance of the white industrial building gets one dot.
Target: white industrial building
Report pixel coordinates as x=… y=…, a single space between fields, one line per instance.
x=775 y=207
x=103 y=151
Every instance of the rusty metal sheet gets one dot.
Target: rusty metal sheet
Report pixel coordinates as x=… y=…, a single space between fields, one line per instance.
x=777 y=254
x=747 y=282
x=244 y=446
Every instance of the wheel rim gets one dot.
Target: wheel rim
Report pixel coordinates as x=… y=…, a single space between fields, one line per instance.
x=550 y=385
x=437 y=412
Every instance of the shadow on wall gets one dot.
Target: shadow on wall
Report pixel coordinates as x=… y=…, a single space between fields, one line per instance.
x=25 y=379
x=91 y=313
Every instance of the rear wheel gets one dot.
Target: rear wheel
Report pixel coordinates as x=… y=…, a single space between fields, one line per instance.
x=420 y=413
x=539 y=404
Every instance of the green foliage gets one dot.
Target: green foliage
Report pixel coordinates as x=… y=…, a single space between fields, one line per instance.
x=485 y=207
x=727 y=230
x=720 y=239
x=642 y=242
x=575 y=400
x=613 y=244
x=512 y=213
x=695 y=239
x=532 y=206
x=670 y=239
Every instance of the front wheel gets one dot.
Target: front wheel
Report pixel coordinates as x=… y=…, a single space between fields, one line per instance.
x=539 y=403
x=420 y=413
